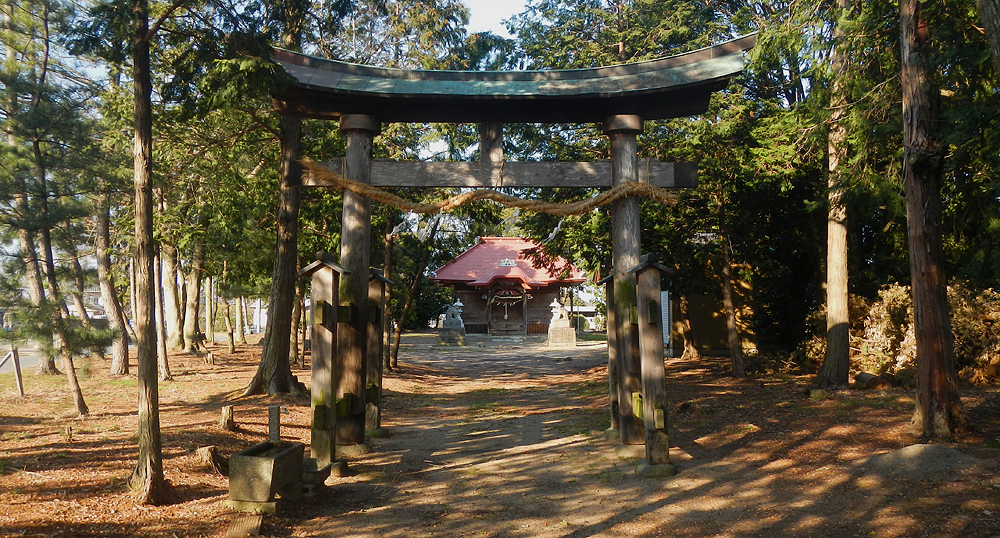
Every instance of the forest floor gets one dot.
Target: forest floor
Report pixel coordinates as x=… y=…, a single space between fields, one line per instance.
x=507 y=440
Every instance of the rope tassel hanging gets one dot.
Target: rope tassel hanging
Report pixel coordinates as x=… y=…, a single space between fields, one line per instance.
x=320 y=173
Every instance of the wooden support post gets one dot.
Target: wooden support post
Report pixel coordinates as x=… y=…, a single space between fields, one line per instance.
x=377 y=289
x=524 y=312
x=323 y=298
x=17 y=371
x=352 y=341
x=610 y=325
x=622 y=131
x=654 y=390
x=490 y=144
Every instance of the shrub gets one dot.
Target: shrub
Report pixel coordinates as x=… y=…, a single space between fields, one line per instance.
x=888 y=344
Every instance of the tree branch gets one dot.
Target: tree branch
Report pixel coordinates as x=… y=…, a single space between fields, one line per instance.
x=155 y=27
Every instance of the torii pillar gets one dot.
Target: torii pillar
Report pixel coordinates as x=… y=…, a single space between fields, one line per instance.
x=352 y=339
x=622 y=131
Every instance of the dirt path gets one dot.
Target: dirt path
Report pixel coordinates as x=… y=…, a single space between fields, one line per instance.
x=507 y=441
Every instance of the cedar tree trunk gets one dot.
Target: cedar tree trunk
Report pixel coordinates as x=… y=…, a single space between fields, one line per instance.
x=989 y=16
x=162 y=361
x=274 y=374
x=836 y=363
x=147 y=477
x=424 y=258
x=690 y=349
x=112 y=306
x=939 y=411
x=171 y=295
x=192 y=339
x=294 y=357
x=387 y=313
x=735 y=347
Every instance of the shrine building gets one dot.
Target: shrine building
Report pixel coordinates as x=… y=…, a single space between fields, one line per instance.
x=503 y=292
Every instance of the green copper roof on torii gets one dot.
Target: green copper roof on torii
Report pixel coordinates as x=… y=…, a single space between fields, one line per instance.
x=670 y=87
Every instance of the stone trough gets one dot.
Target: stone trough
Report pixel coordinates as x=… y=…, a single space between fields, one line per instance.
x=261 y=474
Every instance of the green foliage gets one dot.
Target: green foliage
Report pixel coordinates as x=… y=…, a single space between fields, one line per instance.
x=588 y=33
x=761 y=147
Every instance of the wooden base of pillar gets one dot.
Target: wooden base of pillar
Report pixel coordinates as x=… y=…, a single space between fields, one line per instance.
x=321 y=446
x=350 y=429
x=630 y=430
x=657 y=448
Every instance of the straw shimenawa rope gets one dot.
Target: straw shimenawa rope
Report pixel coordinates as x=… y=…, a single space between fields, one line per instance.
x=322 y=174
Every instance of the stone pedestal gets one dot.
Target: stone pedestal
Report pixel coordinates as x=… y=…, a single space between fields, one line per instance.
x=561 y=331
x=451 y=332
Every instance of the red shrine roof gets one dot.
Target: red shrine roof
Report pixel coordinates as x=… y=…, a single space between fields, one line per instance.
x=500 y=258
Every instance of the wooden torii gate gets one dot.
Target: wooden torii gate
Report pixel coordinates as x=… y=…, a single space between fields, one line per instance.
x=619 y=97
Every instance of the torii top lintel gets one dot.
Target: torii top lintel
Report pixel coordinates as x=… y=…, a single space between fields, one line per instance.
x=671 y=87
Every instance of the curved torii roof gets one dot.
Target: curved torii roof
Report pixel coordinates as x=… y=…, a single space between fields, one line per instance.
x=671 y=87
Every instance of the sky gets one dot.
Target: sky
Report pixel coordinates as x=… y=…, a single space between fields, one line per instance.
x=488 y=14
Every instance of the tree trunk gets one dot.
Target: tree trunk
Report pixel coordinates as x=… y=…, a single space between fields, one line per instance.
x=147 y=477
x=230 y=340
x=939 y=412
x=131 y=292
x=274 y=374
x=79 y=285
x=294 y=357
x=306 y=328
x=210 y=309
x=60 y=314
x=241 y=326
x=836 y=363
x=424 y=258
x=735 y=346
x=26 y=237
x=162 y=360
x=192 y=334
x=387 y=313
x=690 y=349
x=172 y=306
x=112 y=306
x=59 y=319
x=36 y=294
x=989 y=15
